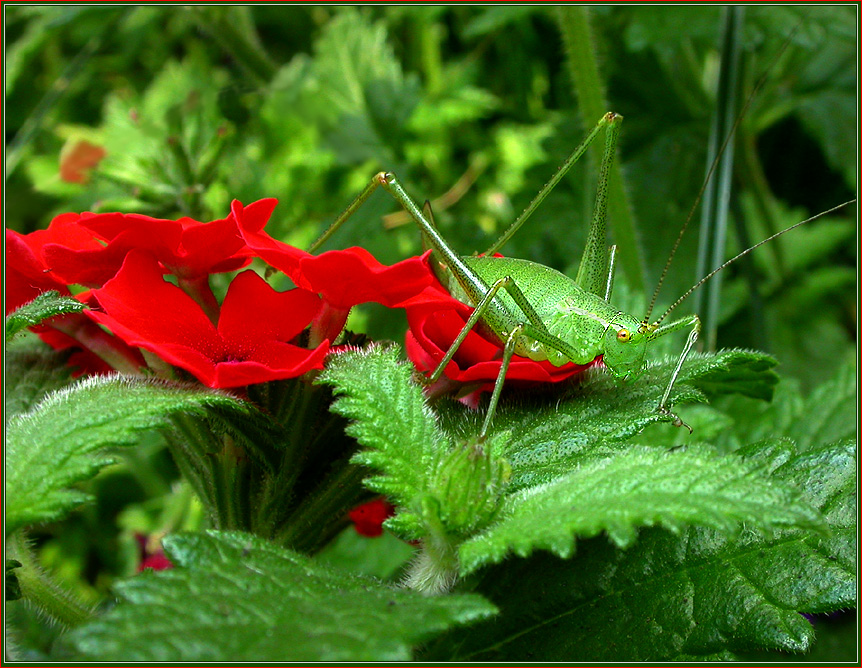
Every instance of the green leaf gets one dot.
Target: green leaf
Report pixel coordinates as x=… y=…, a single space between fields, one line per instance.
x=63 y=439
x=390 y=418
x=32 y=370
x=549 y=438
x=827 y=414
x=637 y=488
x=235 y=597
x=357 y=92
x=668 y=596
x=44 y=306
x=830 y=412
x=745 y=372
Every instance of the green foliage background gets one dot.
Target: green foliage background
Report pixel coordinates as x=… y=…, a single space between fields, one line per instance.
x=198 y=106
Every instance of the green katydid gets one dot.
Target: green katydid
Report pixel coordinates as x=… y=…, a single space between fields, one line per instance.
x=537 y=312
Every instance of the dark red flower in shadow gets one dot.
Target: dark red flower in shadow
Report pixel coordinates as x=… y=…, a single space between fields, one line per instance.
x=151 y=556
x=250 y=344
x=369 y=517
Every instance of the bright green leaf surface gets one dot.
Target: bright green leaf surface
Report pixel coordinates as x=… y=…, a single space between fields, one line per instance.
x=63 y=439
x=549 y=438
x=234 y=597
x=637 y=488
x=669 y=596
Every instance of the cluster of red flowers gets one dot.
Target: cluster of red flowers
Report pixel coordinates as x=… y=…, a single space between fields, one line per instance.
x=117 y=264
x=146 y=283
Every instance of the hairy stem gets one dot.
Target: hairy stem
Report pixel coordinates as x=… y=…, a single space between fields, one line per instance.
x=41 y=591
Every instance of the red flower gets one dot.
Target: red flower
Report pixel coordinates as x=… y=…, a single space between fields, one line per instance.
x=369 y=517
x=157 y=562
x=250 y=344
x=27 y=275
x=435 y=319
x=344 y=278
x=92 y=250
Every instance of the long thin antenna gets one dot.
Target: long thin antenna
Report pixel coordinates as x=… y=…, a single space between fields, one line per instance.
x=746 y=252
x=714 y=165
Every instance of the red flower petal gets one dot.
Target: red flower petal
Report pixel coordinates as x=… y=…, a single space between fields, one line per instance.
x=353 y=276
x=249 y=347
x=344 y=278
x=278 y=316
x=26 y=275
x=157 y=562
x=147 y=311
x=185 y=247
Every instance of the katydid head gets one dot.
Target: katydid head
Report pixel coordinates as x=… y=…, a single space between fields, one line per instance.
x=624 y=350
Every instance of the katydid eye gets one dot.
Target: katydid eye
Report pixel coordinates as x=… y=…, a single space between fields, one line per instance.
x=624 y=335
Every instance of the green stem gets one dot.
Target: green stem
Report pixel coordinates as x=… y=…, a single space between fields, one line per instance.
x=191 y=452
x=716 y=196
x=316 y=521
x=232 y=471
x=40 y=589
x=584 y=69
x=432 y=63
x=435 y=568
x=90 y=336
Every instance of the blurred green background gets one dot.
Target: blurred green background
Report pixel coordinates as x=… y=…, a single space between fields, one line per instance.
x=474 y=108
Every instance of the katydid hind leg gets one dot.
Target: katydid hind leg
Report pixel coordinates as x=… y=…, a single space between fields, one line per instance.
x=610 y=123
x=593 y=270
x=478 y=312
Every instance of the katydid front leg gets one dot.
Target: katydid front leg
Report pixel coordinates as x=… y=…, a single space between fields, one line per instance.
x=654 y=333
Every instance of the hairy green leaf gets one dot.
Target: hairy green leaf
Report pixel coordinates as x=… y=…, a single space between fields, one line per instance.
x=549 y=438
x=637 y=488
x=744 y=372
x=827 y=414
x=63 y=439
x=32 y=370
x=44 y=306
x=390 y=418
x=695 y=594
x=235 y=597
x=830 y=412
